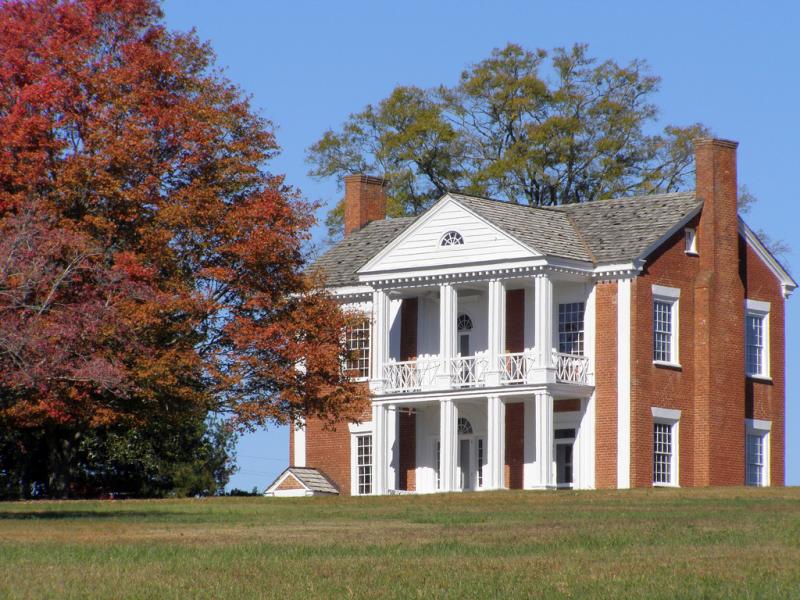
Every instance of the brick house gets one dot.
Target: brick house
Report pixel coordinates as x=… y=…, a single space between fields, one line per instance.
x=621 y=343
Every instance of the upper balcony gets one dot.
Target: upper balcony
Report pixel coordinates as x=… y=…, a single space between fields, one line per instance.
x=430 y=373
x=481 y=334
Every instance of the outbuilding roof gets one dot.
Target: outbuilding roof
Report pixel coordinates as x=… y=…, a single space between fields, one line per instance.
x=312 y=479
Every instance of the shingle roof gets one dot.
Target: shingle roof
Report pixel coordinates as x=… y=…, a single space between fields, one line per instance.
x=603 y=231
x=547 y=231
x=622 y=229
x=314 y=480
x=311 y=478
x=340 y=263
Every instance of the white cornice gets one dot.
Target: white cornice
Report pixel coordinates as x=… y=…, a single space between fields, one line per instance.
x=788 y=285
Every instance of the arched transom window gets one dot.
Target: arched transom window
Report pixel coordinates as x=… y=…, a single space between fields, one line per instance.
x=464 y=426
x=464 y=323
x=452 y=238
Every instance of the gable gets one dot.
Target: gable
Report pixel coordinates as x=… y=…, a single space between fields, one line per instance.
x=419 y=247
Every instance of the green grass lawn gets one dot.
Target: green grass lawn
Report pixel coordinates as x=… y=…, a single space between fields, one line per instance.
x=715 y=543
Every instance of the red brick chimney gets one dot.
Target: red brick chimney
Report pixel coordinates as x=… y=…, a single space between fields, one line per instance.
x=719 y=320
x=364 y=201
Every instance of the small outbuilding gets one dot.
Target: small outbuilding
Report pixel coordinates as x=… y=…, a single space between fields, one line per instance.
x=301 y=481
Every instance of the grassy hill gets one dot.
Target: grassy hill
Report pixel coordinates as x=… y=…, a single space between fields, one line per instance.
x=716 y=543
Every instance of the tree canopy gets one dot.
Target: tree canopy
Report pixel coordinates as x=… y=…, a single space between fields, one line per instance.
x=526 y=126
x=151 y=266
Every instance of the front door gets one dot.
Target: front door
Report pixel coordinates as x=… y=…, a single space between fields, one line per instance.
x=464 y=450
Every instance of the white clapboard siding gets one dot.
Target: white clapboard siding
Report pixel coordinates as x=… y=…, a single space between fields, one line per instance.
x=420 y=247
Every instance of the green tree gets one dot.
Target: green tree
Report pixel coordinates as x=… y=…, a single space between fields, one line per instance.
x=530 y=127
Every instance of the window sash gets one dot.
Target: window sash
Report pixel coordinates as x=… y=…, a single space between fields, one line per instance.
x=571 y=327
x=358 y=342
x=754 y=450
x=662 y=453
x=364 y=463
x=662 y=331
x=754 y=344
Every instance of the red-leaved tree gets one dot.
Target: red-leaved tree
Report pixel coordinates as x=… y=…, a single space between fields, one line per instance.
x=150 y=265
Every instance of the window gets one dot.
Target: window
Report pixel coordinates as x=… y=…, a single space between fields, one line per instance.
x=357 y=363
x=464 y=322
x=570 y=328
x=755 y=459
x=756 y=334
x=452 y=238
x=364 y=463
x=757 y=452
x=665 y=325
x=691 y=241
x=464 y=426
x=665 y=446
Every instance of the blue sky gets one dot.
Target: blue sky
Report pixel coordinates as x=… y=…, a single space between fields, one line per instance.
x=731 y=65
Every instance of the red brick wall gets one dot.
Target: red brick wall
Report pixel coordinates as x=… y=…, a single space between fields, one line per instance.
x=290 y=483
x=408 y=328
x=328 y=450
x=659 y=386
x=515 y=448
x=291 y=445
x=571 y=405
x=407 y=477
x=515 y=320
x=606 y=385
x=364 y=201
x=765 y=400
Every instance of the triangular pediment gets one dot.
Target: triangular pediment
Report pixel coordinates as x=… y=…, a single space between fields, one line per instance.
x=420 y=246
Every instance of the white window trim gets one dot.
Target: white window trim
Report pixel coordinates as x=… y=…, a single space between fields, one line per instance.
x=671 y=296
x=764 y=429
x=690 y=241
x=759 y=308
x=357 y=430
x=671 y=417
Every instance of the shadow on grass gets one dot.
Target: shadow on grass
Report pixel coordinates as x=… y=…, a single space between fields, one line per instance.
x=83 y=514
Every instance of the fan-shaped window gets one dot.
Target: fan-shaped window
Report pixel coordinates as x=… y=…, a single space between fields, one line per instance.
x=464 y=426
x=452 y=238
x=464 y=323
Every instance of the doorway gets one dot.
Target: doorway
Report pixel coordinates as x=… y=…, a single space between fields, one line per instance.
x=565 y=444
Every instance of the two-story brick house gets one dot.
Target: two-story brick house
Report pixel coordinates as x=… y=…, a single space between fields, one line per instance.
x=613 y=344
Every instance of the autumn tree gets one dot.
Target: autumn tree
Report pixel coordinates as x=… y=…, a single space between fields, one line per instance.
x=151 y=266
x=535 y=128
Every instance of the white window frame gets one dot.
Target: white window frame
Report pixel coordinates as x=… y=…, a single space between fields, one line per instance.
x=348 y=340
x=671 y=296
x=762 y=429
x=671 y=418
x=690 y=240
x=358 y=430
x=759 y=310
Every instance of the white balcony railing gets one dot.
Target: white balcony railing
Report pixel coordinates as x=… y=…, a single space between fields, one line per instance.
x=515 y=366
x=428 y=372
x=571 y=368
x=411 y=375
x=468 y=371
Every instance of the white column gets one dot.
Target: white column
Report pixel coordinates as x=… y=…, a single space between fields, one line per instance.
x=380 y=453
x=496 y=443
x=392 y=451
x=544 y=439
x=529 y=475
x=584 y=453
x=299 y=458
x=448 y=311
x=448 y=445
x=543 y=313
x=380 y=337
x=496 y=323
x=624 y=383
